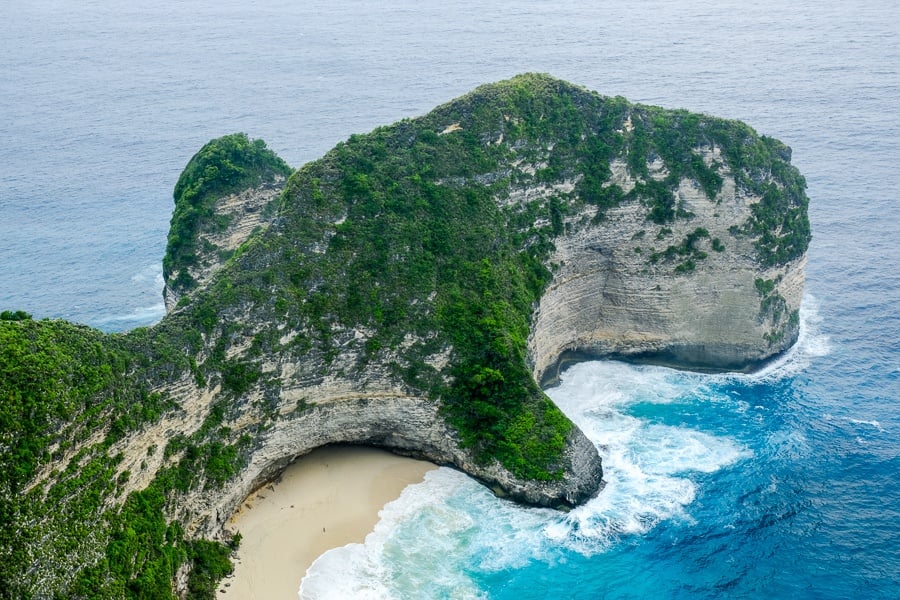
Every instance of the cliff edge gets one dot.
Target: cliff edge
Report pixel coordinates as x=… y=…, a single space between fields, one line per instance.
x=409 y=290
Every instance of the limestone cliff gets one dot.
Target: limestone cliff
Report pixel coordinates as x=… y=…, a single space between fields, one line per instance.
x=236 y=217
x=619 y=292
x=409 y=290
x=646 y=223
x=226 y=193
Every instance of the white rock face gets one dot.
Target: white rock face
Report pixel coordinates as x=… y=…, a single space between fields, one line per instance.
x=407 y=425
x=315 y=408
x=609 y=299
x=314 y=411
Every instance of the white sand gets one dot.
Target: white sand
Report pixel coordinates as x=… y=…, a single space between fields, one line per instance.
x=329 y=498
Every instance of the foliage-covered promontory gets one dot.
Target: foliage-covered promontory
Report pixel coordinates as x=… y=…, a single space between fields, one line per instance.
x=405 y=268
x=222 y=166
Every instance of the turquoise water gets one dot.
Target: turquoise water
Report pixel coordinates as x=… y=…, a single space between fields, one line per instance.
x=781 y=484
x=737 y=486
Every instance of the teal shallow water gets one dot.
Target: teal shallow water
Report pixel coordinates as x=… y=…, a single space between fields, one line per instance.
x=779 y=485
x=717 y=486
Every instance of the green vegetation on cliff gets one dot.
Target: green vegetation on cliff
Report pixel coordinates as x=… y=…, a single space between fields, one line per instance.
x=68 y=394
x=415 y=250
x=223 y=166
x=405 y=234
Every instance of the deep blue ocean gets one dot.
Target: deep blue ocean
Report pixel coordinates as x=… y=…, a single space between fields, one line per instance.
x=780 y=484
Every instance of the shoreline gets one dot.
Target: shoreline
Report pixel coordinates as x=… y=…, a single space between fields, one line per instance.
x=326 y=499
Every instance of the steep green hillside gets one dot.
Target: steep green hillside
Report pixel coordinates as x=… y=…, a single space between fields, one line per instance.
x=69 y=395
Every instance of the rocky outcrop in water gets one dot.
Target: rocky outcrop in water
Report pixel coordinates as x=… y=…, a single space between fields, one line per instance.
x=648 y=259
x=408 y=290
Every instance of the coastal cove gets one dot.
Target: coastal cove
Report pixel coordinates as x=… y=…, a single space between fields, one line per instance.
x=327 y=499
x=775 y=481
x=405 y=291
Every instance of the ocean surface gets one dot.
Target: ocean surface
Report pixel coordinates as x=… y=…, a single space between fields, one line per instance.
x=779 y=484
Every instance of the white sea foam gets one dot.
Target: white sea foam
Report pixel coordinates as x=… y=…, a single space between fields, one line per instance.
x=141 y=314
x=812 y=343
x=790 y=444
x=151 y=274
x=150 y=281
x=447 y=527
x=872 y=423
x=411 y=550
x=645 y=464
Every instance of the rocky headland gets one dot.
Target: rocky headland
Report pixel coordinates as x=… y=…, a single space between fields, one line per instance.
x=409 y=290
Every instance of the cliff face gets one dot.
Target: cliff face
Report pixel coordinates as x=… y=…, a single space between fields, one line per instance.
x=616 y=294
x=663 y=236
x=409 y=290
x=313 y=411
x=233 y=219
x=410 y=426
x=226 y=193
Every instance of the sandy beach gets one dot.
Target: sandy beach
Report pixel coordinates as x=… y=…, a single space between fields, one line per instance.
x=328 y=498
